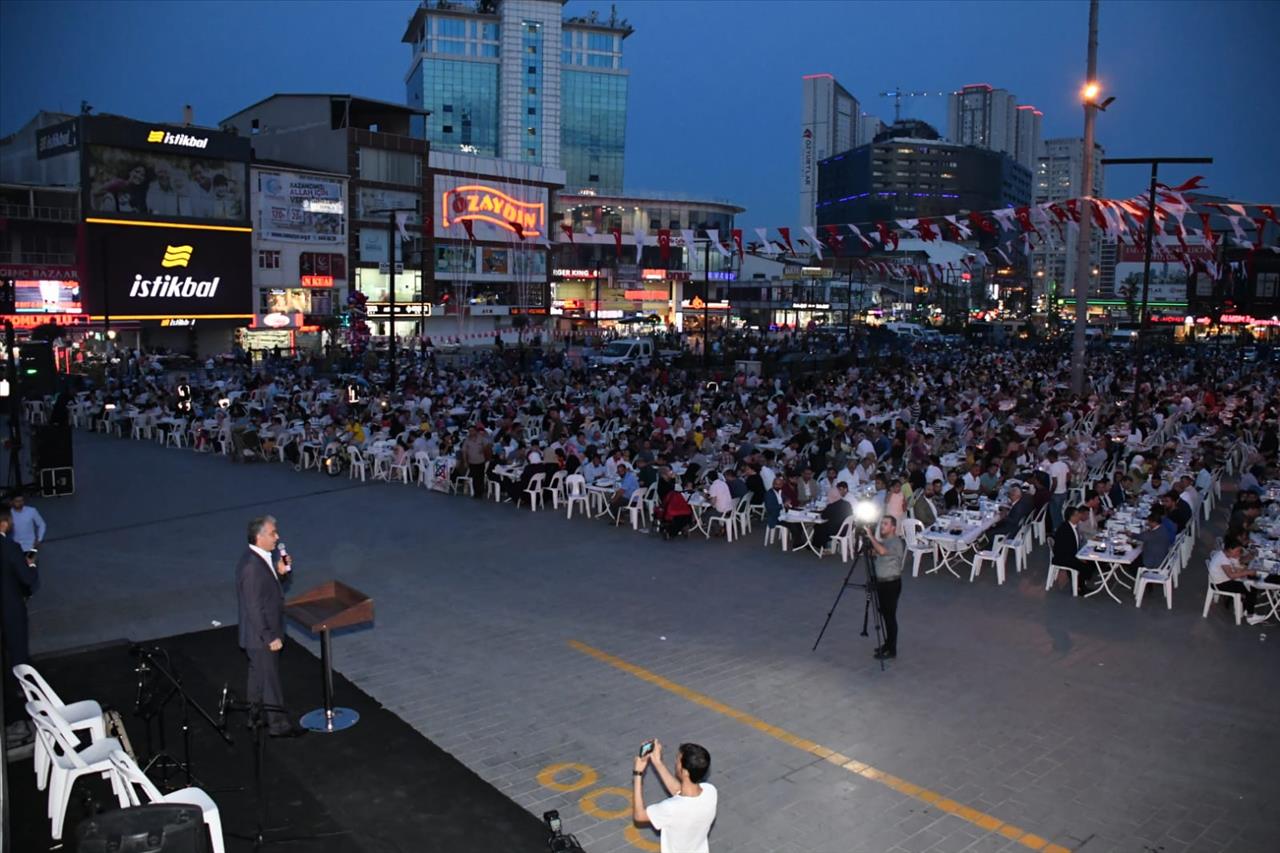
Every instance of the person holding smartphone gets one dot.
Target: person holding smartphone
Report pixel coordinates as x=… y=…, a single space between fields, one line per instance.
x=683 y=819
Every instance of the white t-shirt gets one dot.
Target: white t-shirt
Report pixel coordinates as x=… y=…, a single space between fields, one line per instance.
x=685 y=821
x=1058 y=473
x=1218 y=562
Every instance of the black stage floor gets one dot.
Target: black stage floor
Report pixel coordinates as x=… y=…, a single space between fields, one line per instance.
x=379 y=787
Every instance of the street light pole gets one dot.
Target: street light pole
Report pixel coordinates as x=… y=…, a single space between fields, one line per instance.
x=1086 y=207
x=1146 y=255
x=706 y=303
x=391 y=290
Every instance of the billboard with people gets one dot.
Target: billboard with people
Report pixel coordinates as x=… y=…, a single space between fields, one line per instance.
x=162 y=184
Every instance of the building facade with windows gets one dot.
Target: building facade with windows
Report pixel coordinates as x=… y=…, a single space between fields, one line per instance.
x=300 y=247
x=990 y=118
x=829 y=122
x=1059 y=176
x=907 y=174
x=370 y=142
x=513 y=80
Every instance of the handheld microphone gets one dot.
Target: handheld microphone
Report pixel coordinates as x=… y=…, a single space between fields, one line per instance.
x=222 y=707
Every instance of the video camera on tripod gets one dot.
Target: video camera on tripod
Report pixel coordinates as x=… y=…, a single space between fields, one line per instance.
x=558 y=842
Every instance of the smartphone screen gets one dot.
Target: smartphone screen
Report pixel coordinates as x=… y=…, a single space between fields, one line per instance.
x=646 y=748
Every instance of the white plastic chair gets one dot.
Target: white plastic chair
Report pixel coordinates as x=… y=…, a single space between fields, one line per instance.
x=1237 y=601
x=575 y=491
x=726 y=520
x=742 y=515
x=1040 y=524
x=399 y=471
x=133 y=777
x=917 y=547
x=993 y=555
x=422 y=460
x=68 y=763
x=635 y=510
x=176 y=437
x=841 y=542
x=556 y=487
x=1053 y=576
x=780 y=532
x=1020 y=547
x=534 y=491
x=1161 y=576
x=82 y=716
x=359 y=467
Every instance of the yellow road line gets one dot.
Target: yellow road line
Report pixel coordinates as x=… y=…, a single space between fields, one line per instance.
x=980 y=819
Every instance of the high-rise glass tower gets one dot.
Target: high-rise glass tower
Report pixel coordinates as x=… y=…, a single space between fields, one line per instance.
x=511 y=79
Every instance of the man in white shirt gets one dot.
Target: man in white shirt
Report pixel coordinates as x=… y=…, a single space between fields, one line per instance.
x=28 y=525
x=1059 y=472
x=851 y=476
x=684 y=819
x=721 y=499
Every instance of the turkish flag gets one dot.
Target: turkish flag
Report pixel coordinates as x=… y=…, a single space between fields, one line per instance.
x=568 y=231
x=737 y=241
x=664 y=244
x=466 y=226
x=833 y=238
x=617 y=241
x=786 y=238
x=519 y=229
x=887 y=236
x=925 y=229
x=981 y=223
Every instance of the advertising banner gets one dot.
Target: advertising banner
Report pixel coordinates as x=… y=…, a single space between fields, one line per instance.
x=373 y=199
x=140 y=272
x=58 y=139
x=164 y=184
x=300 y=208
x=46 y=296
x=1168 y=276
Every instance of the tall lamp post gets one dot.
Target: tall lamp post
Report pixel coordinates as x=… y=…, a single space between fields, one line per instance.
x=1154 y=162
x=391 y=290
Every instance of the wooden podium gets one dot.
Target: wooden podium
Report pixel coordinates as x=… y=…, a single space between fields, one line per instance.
x=331 y=605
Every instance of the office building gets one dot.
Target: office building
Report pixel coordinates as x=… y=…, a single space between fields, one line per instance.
x=991 y=118
x=828 y=125
x=908 y=172
x=368 y=140
x=513 y=80
x=1059 y=176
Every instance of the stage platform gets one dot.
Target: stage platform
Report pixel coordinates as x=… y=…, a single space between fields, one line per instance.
x=380 y=787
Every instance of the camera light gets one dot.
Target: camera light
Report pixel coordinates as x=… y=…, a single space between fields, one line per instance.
x=866 y=512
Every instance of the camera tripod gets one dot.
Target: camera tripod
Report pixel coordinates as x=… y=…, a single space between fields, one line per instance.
x=872 y=603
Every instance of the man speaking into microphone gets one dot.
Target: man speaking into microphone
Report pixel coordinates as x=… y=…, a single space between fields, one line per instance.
x=260 y=597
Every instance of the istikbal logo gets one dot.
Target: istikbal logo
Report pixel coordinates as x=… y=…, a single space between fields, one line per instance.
x=172 y=286
x=163 y=137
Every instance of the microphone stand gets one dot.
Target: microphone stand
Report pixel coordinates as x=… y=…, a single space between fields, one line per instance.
x=256 y=712
x=186 y=703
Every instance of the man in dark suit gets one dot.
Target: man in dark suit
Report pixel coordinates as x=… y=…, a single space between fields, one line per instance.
x=1177 y=510
x=833 y=516
x=1067 y=541
x=17 y=580
x=261 y=601
x=1019 y=509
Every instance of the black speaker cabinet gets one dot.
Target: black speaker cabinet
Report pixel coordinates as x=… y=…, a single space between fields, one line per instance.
x=156 y=828
x=53 y=446
x=57 y=482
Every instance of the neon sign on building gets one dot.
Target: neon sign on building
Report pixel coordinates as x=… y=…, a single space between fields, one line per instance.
x=489 y=204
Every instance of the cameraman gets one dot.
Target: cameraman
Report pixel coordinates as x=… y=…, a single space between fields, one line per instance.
x=684 y=819
x=889 y=549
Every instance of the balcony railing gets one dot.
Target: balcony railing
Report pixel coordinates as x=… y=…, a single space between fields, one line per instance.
x=39 y=212
x=65 y=259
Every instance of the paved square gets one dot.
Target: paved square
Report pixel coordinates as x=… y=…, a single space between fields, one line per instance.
x=541 y=651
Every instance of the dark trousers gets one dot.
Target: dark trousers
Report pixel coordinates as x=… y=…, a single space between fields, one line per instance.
x=888 y=592
x=1250 y=594
x=478 y=480
x=675 y=525
x=264 y=686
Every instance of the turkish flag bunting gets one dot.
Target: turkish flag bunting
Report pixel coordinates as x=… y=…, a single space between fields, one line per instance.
x=568 y=230
x=1073 y=208
x=466 y=226
x=786 y=238
x=737 y=241
x=1192 y=184
x=617 y=241
x=856 y=233
x=1210 y=238
x=925 y=229
x=887 y=236
x=1269 y=212
x=981 y=223
x=518 y=228
x=1023 y=215
x=664 y=244
x=1261 y=225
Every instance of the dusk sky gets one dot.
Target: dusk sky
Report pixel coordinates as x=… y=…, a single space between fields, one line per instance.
x=715 y=86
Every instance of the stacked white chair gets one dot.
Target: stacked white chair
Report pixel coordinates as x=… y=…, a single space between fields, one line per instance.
x=69 y=761
x=83 y=716
x=133 y=778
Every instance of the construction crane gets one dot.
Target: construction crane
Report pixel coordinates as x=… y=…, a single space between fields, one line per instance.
x=897 y=95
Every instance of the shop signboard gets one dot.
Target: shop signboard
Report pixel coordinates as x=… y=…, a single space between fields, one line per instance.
x=59 y=138
x=142 y=272
x=301 y=208
x=1169 y=277
x=496 y=210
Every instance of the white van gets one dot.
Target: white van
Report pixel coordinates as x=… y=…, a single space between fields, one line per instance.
x=906 y=330
x=630 y=351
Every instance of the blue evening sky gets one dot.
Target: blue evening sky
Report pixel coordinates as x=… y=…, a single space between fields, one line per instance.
x=715 y=85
